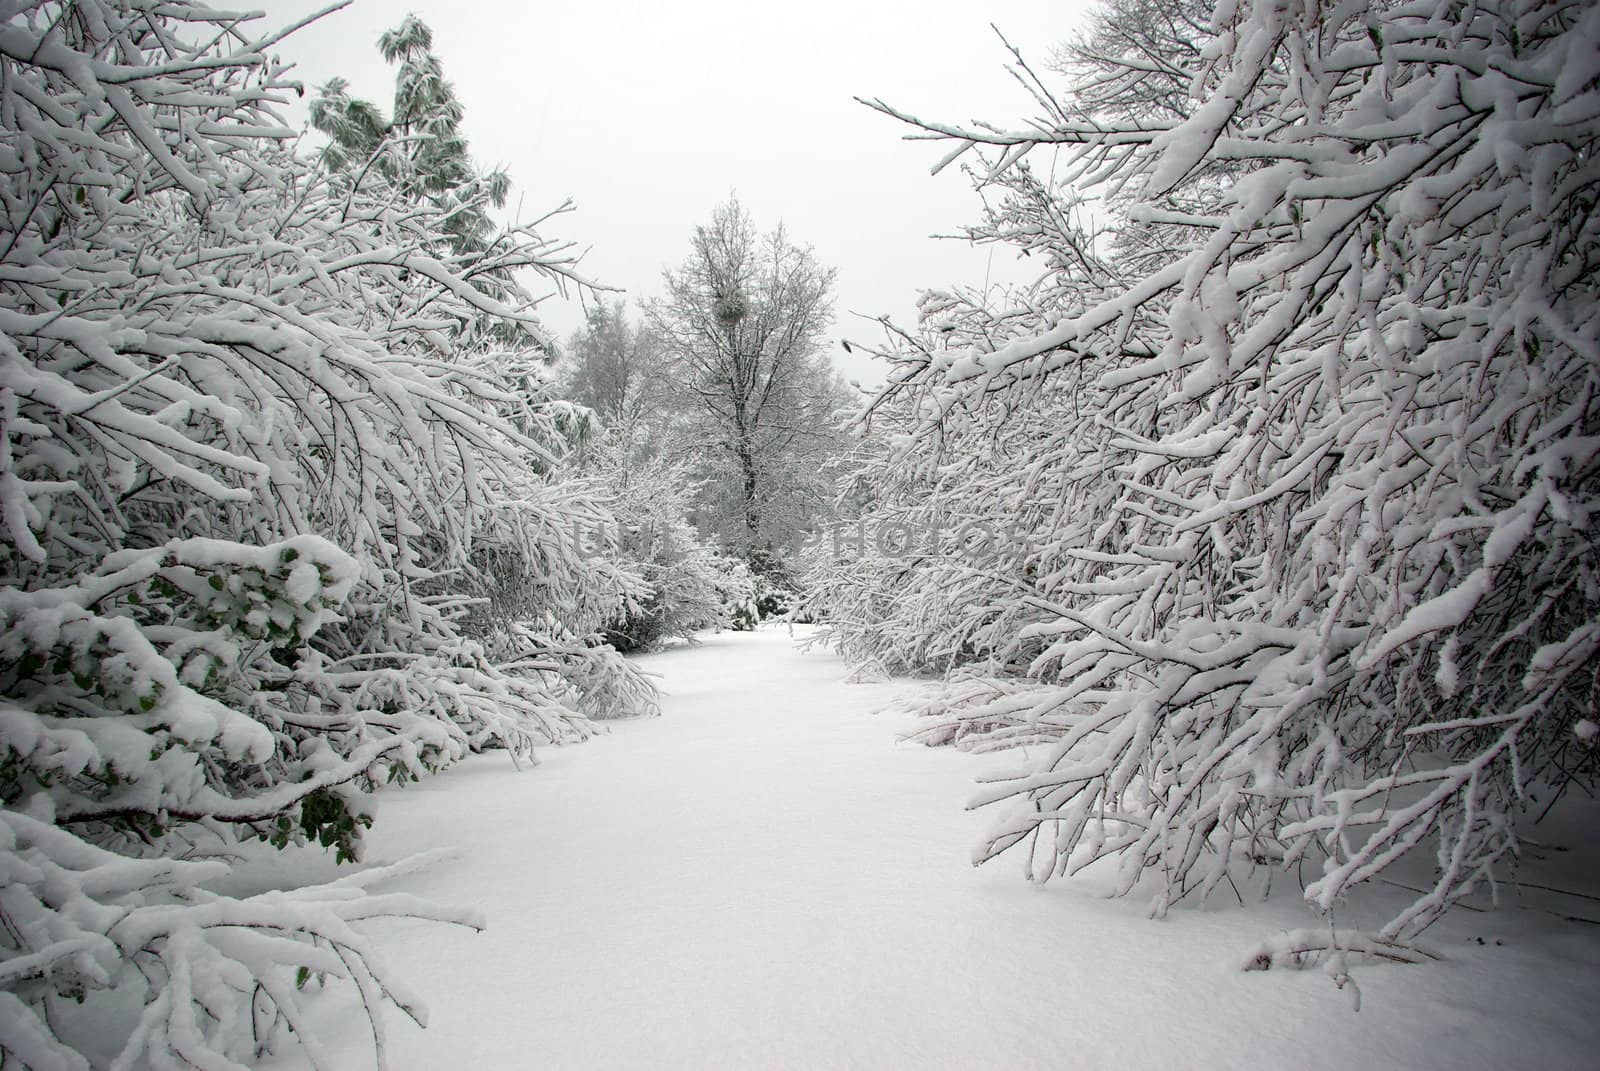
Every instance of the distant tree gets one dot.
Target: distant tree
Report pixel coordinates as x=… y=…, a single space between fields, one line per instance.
x=691 y=584
x=743 y=321
x=619 y=369
x=637 y=455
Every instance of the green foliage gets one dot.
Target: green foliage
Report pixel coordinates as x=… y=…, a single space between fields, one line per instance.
x=745 y=616
x=776 y=587
x=420 y=148
x=325 y=817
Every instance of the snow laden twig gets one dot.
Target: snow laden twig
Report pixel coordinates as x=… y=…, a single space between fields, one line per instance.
x=224 y=977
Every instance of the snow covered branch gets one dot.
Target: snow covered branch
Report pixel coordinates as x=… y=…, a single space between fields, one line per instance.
x=262 y=454
x=1294 y=468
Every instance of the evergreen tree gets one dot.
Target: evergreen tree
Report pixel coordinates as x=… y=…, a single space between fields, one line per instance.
x=420 y=153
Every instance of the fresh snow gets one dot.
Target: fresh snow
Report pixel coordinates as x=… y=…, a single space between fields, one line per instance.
x=766 y=876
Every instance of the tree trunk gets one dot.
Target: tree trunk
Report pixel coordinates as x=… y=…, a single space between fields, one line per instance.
x=751 y=486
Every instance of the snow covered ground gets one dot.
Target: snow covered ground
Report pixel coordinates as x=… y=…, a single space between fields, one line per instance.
x=764 y=877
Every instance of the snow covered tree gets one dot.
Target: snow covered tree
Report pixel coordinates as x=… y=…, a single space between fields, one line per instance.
x=638 y=459
x=421 y=153
x=692 y=585
x=422 y=148
x=743 y=323
x=1304 y=450
x=619 y=369
x=248 y=477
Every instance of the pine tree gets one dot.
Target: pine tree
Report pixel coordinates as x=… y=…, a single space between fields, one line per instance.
x=420 y=153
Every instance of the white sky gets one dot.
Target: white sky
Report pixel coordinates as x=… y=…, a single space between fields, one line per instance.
x=649 y=115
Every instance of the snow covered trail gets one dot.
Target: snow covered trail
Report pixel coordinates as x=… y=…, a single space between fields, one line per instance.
x=763 y=877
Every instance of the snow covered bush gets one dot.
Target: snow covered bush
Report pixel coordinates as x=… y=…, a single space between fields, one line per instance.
x=1304 y=449
x=259 y=455
x=691 y=586
x=933 y=565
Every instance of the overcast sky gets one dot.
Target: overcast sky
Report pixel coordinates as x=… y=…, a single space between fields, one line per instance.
x=648 y=115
